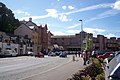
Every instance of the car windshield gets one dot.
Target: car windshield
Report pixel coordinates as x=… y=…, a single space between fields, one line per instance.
x=116 y=74
x=6 y=52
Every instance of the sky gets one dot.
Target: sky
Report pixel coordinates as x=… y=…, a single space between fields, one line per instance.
x=62 y=16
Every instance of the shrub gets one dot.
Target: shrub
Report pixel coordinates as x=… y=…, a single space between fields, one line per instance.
x=92 y=72
x=100 y=76
x=79 y=76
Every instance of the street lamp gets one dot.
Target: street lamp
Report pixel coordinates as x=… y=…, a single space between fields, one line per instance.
x=81 y=33
x=81 y=25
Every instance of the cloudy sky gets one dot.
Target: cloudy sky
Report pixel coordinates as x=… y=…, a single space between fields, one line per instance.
x=62 y=16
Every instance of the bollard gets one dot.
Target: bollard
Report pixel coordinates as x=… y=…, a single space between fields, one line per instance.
x=73 y=58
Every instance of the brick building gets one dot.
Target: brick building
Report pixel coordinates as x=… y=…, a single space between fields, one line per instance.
x=74 y=42
x=71 y=42
x=103 y=43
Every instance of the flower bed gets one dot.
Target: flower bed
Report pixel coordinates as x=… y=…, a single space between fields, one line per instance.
x=92 y=72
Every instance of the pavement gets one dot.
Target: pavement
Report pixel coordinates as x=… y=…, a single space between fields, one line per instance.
x=63 y=72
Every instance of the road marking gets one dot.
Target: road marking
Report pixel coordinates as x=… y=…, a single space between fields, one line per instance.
x=46 y=70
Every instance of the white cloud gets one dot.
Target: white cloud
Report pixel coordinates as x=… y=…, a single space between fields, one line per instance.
x=58 y=0
x=105 y=14
x=18 y=12
x=114 y=11
x=58 y=33
x=94 y=30
x=64 y=7
x=64 y=18
x=33 y=17
x=73 y=31
x=52 y=13
x=99 y=6
x=73 y=26
x=117 y=5
x=110 y=35
x=70 y=7
x=67 y=7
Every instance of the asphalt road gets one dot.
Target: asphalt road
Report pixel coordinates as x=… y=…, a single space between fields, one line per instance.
x=31 y=68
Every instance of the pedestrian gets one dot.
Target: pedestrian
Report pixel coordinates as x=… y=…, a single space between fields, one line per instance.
x=87 y=57
x=79 y=53
x=76 y=53
x=84 y=56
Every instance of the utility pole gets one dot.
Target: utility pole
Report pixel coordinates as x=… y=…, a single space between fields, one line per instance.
x=81 y=33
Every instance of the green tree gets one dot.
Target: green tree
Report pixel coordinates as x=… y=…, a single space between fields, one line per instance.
x=87 y=43
x=8 y=23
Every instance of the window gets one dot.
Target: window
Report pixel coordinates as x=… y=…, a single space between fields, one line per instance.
x=62 y=38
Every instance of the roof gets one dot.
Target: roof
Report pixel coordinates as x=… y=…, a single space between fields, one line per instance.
x=64 y=36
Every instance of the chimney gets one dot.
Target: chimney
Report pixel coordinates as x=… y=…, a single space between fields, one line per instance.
x=30 y=19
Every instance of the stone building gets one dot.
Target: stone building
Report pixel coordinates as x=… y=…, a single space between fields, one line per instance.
x=39 y=35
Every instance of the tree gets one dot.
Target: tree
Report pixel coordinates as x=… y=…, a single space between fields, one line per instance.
x=87 y=43
x=8 y=23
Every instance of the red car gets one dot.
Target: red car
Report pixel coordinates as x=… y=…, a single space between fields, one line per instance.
x=39 y=54
x=105 y=55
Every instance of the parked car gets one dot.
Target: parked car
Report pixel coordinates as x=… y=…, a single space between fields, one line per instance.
x=117 y=53
x=52 y=54
x=39 y=54
x=105 y=55
x=115 y=74
x=10 y=53
x=101 y=52
x=63 y=54
x=57 y=53
x=30 y=53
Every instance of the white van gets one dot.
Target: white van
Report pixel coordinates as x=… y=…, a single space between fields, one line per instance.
x=10 y=53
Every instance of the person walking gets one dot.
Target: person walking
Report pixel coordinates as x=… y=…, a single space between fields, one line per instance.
x=87 y=57
x=79 y=54
x=84 y=55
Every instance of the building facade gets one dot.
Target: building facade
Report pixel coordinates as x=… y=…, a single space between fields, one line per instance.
x=8 y=41
x=76 y=42
x=103 y=43
x=71 y=42
x=39 y=35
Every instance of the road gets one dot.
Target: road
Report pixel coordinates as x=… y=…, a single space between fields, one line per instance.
x=31 y=68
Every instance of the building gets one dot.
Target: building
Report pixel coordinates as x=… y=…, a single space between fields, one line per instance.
x=74 y=42
x=9 y=41
x=39 y=35
x=103 y=43
x=71 y=42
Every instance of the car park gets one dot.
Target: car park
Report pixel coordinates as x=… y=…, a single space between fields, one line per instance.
x=63 y=54
x=9 y=53
x=115 y=74
x=52 y=54
x=30 y=53
x=105 y=55
x=57 y=53
x=39 y=54
x=101 y=52
x=117 y=53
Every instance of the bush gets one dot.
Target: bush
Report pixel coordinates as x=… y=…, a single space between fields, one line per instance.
x=92 y=72
x=79 y=76
x=100 y=76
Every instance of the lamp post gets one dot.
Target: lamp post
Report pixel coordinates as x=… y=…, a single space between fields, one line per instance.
x=81 y=34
